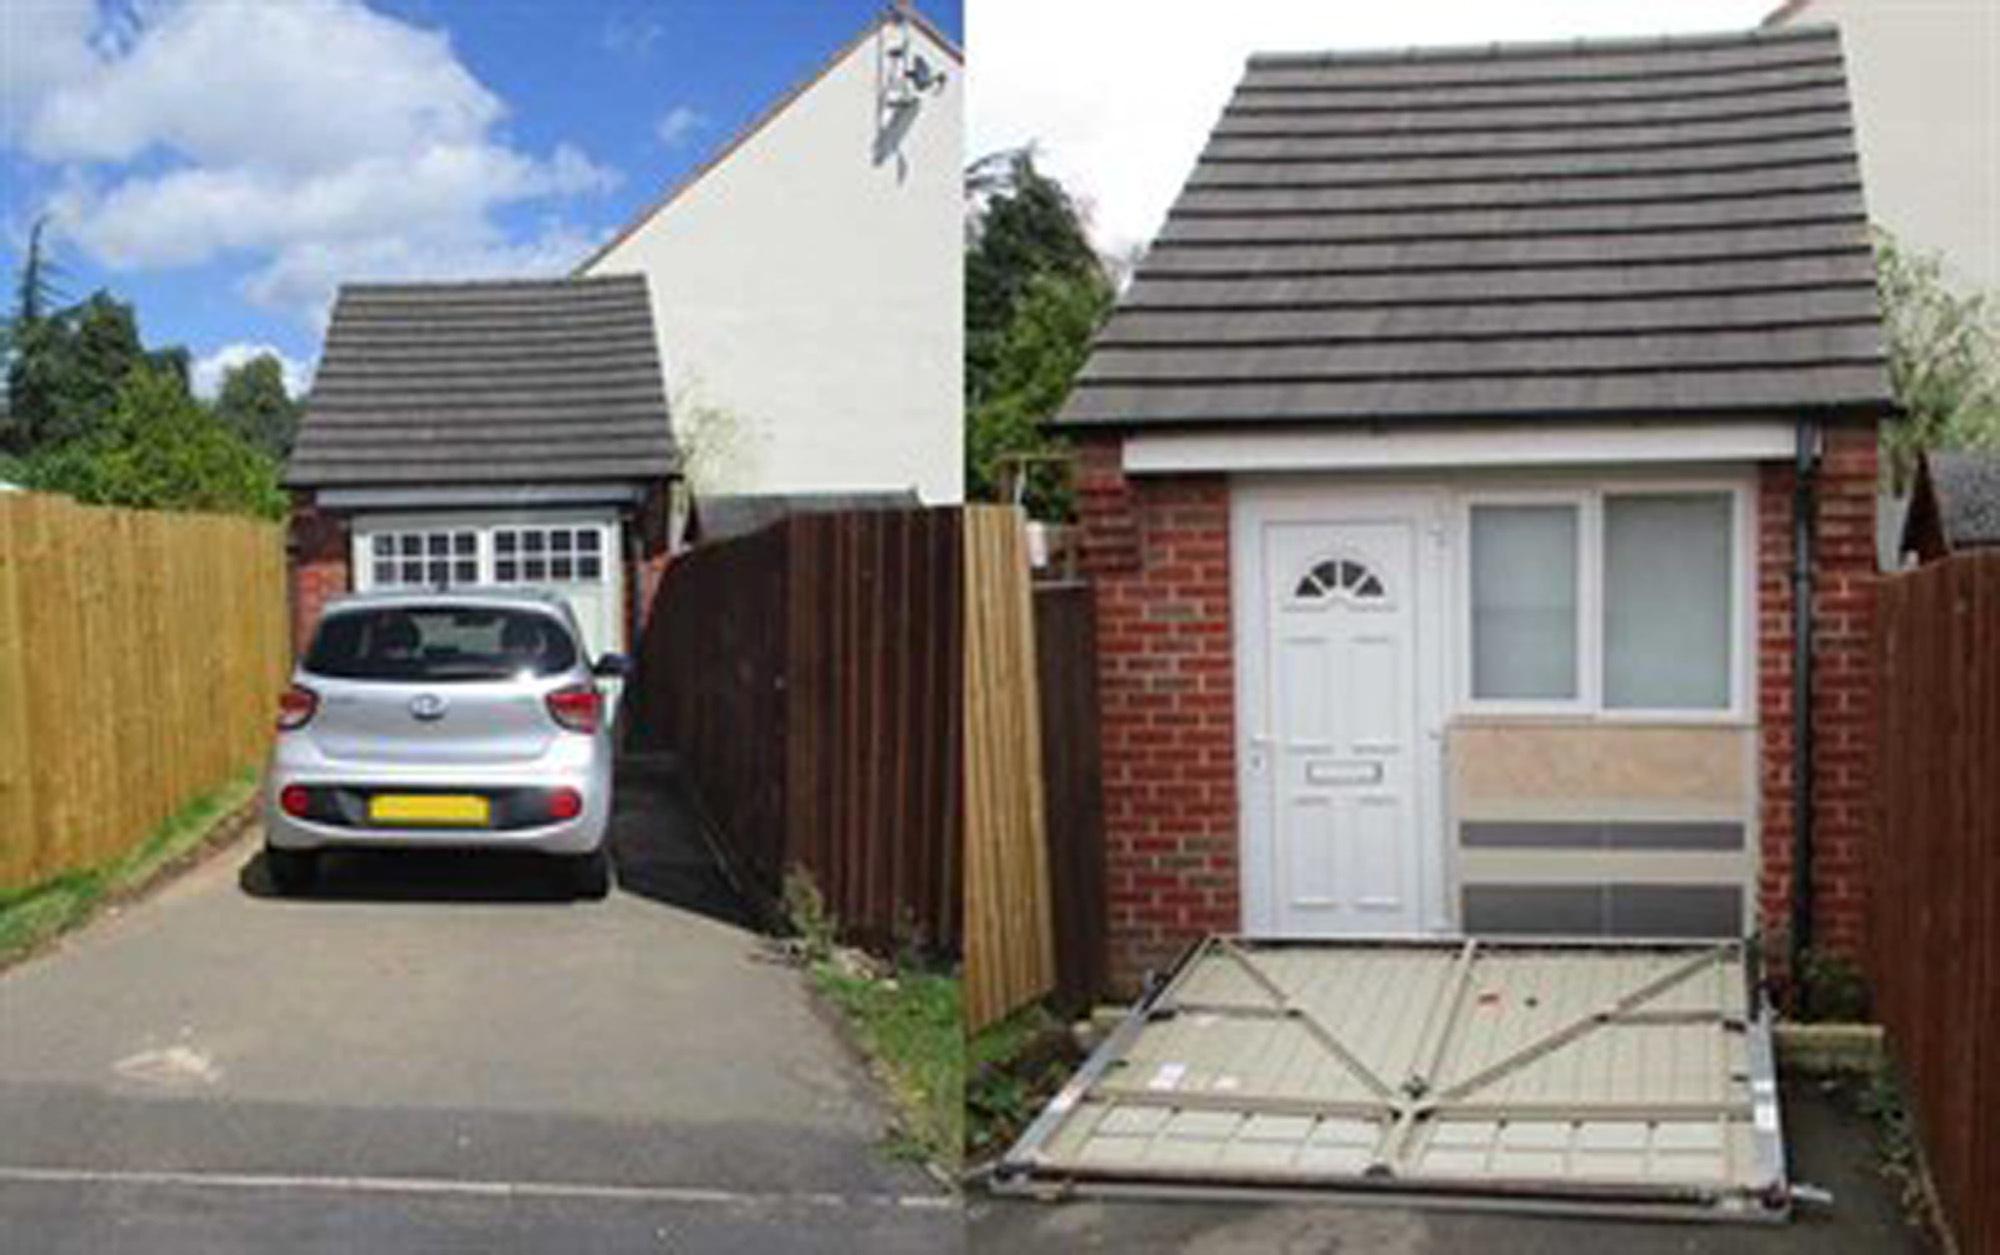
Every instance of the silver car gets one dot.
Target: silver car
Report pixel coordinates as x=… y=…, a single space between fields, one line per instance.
x=443 y=719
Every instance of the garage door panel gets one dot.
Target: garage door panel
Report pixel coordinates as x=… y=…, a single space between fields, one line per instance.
x=1571 y=1076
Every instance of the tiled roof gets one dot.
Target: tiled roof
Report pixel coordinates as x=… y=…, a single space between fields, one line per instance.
x=522 y=381
x=1967 y=485
x=1658 y=227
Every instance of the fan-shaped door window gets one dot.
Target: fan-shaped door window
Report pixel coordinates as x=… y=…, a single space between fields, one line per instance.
x=1341 y=577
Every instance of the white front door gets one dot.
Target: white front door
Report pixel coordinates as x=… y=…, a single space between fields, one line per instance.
x=1338 y=836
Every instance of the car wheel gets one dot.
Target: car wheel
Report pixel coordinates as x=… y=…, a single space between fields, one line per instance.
x=590 y=874
x=292 y=871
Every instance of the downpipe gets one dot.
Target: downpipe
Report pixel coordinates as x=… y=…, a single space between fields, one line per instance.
x=1805 y=503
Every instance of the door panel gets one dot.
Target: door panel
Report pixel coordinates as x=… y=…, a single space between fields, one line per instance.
x=1339 y=603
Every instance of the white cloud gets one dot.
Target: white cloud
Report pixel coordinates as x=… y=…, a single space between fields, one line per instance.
x=678 y=125
x=205 y=375
x=1119 y=95
x=301 y=277
x=303 y=135
x=630 y=35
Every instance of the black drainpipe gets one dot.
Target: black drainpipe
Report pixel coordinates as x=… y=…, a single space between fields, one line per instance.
x=1804 y=511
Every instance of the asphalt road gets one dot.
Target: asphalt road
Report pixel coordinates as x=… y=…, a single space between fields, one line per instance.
x=441 y=1054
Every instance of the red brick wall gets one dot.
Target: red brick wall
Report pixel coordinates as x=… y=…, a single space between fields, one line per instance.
x=1158 y=552
x=319 y=555
x=1843 y=689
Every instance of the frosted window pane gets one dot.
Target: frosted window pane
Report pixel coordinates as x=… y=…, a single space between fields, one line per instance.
x=1667 y=601
x=1524 y=601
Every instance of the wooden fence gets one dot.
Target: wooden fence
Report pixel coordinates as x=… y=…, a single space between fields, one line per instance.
x=1934 y=873
x=1073 y=776
x=1010 y=956
x=141 y=654
x=810 y=676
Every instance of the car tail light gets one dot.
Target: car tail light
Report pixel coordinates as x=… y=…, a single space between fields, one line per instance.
x=578 y=707
x=296 y=707
x=294 y=800
x=565 y=804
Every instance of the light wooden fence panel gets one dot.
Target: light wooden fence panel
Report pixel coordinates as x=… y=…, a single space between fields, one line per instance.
x=1009 y=945
x=141 y=654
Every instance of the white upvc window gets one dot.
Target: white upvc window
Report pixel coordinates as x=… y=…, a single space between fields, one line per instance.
x=1615 y=599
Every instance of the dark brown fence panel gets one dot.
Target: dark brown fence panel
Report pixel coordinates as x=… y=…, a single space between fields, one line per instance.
x=874 y=699
x=809 y=676
x=1934 y=953
x=710 y=685
x=1072 y=766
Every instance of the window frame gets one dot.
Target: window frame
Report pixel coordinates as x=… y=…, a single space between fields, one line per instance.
x=1589 y=498
x=484 y=555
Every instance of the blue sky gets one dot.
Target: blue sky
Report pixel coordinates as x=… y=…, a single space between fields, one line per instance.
x=223 y=163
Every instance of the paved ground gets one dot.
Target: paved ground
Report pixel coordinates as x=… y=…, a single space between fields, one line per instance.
x=440 y=1054
x=1829 y=1147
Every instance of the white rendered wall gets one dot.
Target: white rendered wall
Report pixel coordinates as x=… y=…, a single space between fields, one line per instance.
x=1926 y=81
x=807 y=286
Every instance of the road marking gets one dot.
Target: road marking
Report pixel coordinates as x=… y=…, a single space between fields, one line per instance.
x=449 y=1187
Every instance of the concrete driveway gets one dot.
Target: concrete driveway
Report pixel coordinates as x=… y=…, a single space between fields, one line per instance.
x=440 y=1054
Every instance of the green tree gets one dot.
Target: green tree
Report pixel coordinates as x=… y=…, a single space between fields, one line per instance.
x=1944 y=360
x=1035 y=293
x=157 y=447
x=253 y=403
x=68 y=366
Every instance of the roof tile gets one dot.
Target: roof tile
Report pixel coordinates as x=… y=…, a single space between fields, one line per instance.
x=1644 y=227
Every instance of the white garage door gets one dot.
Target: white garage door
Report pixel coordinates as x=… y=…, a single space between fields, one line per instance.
x=1567 y=1076
x=575 y=554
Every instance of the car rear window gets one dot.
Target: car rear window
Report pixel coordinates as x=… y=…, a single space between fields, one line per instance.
x=440 y=643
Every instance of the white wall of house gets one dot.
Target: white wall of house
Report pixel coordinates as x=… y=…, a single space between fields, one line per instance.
x=806 y=288
x=1926 y=83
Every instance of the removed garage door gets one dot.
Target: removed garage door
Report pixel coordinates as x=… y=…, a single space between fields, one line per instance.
x=1543 y=1075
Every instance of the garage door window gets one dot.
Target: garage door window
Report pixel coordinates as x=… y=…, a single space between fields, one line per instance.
x=427 y=559
x=548 y=555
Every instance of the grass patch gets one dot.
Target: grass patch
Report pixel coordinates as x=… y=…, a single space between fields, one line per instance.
x=1016 y=1065
x=32 y=916
x=911 y=1024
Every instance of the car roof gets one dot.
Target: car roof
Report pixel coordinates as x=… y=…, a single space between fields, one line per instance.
x=530 y=598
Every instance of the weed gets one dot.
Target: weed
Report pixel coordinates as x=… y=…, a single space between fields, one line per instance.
x=910 y=1023
x=1015 y=1065
x=1831 y=989
x=806 y=914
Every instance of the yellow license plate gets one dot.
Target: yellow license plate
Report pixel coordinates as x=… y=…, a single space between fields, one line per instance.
x=430 y=808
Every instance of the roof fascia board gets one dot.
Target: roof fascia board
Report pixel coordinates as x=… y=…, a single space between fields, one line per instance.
x=1487 y=445
x=497 y=495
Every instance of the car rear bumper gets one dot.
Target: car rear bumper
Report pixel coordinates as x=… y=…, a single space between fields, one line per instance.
x=580 y=766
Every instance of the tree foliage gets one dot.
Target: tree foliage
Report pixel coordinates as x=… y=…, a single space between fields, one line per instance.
x=253 y=403
x=1035 y=292
x=157 y=447
x=1944 y=360
x=95 y=414
x=67 y=366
